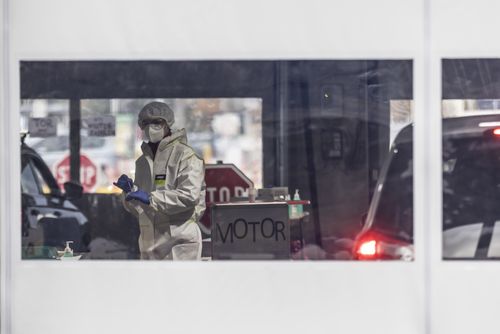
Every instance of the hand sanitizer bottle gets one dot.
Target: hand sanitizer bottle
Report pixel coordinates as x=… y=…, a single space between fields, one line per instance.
x=290 y=207
x=68 y=252
x=298 y=207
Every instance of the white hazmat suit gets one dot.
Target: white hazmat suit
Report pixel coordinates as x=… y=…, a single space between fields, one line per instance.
x=174 y=178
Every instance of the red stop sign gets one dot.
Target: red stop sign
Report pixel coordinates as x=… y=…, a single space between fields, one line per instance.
x=223 y=182
x=88 y=172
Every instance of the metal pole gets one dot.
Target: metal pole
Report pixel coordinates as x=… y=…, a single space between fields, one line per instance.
x=74 y=139
x=309 y=141
x=283 y=123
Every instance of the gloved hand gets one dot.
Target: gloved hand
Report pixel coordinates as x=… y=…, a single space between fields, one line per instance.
x=125 y=183
x=138 y=195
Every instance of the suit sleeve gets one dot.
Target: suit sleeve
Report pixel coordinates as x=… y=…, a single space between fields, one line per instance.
x=132 y=206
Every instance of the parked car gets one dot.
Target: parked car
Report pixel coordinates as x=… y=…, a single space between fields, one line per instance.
x=48 y=216
x=471 y=195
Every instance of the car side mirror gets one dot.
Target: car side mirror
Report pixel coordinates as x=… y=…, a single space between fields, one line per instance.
x=57 y=192
x=73 y=190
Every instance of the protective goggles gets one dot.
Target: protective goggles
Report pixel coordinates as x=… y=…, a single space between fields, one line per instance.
x=156 y=123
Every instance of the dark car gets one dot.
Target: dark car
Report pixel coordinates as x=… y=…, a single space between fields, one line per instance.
x=471 y=195
x=49 y=218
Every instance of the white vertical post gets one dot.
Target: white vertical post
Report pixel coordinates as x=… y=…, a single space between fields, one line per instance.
x=5 y=183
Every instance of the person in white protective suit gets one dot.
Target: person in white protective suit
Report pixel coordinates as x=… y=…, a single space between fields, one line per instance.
x=168 y=194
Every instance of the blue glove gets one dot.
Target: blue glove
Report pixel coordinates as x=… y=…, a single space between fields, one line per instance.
x=125 y=183
x=138 y=195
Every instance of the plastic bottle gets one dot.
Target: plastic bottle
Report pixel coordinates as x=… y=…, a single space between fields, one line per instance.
x=252 y=194
x=299 y=209
x=68 y=252
x=291 y=209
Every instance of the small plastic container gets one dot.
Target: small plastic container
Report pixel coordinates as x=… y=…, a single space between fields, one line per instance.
x=68 y=252
x=299 y=208
x=252 y=194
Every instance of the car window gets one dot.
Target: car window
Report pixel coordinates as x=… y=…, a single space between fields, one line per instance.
x=28 y=181
x=471 y=189
x=471 y=183
x=42 y=182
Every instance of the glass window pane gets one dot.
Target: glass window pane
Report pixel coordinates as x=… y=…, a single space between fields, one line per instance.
x=53 y=148
x=471 y=159
x=218 y=129
x=261 y=160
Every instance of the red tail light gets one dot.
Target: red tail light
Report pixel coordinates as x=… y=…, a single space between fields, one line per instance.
x=367 y=248
x=492 y=133
x=375 y=246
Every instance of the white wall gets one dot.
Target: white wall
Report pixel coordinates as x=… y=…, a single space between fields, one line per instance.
x=4 y=171
x=464 y=294
x=131 y=297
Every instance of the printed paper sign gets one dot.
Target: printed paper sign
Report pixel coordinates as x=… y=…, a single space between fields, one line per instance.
x=100 y=126
x=42 y=127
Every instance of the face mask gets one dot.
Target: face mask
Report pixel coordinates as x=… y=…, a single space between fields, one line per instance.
x=154 y=134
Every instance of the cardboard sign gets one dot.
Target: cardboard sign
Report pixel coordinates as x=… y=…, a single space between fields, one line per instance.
x=42 y=127
x=250 y=231
x=100 y=126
